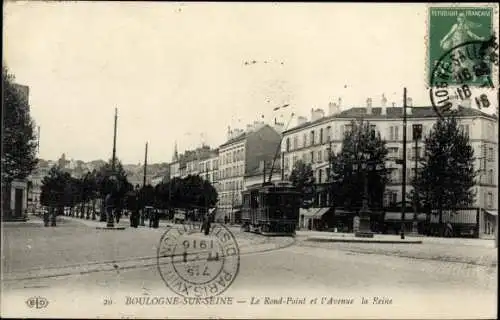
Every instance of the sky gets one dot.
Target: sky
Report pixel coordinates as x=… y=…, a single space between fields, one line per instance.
x=177 y=72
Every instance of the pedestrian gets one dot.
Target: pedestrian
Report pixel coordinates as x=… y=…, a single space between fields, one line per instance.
x=207 y=225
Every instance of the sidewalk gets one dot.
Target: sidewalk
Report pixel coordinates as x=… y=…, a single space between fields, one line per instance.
x=489 y=243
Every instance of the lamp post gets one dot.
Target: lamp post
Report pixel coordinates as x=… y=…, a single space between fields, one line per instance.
x=417 y=135
x=144 y=185
x=114 y=183
x=403 y=187
x=364 y=163
x=330 y=173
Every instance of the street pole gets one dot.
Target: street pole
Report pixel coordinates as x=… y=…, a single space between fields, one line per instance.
x=417 y=134
x=282 y=166
x=144 y=184
x=145 y=166
x=38 y=141
x=113 y=159
x=279 y=148
x=330 y=174
x=110 y=222
x=403 y=187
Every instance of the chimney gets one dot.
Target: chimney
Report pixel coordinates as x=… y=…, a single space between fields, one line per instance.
x=279 y=127
x=383 y=109
x=333 y=108
x=340 y=103
x=301 y=120
x=409 y=103
x=317 y=114
x=369 y=106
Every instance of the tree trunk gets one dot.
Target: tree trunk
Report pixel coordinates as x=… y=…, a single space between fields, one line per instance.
x=440 y=223
x=82 y=210
x=88 y=211
x=94 y=200
x=103 y=214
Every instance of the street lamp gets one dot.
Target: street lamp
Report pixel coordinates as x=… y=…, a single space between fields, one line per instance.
x=417 y=135
x=364 y=162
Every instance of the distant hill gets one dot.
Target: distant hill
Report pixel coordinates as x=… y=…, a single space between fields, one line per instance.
x=135 y=172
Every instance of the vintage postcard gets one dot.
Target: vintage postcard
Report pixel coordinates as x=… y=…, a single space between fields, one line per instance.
x=249 y=160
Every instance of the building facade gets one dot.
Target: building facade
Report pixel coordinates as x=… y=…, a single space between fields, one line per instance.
x=242 y=154
x=209 y=168
x=311 y=142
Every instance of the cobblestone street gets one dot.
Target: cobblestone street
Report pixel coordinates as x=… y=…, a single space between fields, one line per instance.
x=75 y=258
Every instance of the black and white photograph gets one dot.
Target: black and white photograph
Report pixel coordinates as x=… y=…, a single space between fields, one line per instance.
x=237 y=160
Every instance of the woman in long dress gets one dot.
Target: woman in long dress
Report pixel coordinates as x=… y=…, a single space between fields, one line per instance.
x=460 y=33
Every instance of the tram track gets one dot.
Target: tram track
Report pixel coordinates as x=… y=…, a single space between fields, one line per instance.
x=131 y=263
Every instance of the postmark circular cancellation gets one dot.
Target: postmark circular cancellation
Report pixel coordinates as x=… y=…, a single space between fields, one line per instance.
x=193 y=264
x=462 y=57
x=463 y=77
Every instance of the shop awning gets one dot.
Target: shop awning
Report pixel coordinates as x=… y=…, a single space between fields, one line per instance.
x=397 y=216
x=308 y=213
x=340 y=212
x=321 y=211
x=492 y=212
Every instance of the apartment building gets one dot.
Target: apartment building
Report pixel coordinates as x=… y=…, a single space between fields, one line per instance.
x=242 y=154
x=311 y=141
x=209 y=168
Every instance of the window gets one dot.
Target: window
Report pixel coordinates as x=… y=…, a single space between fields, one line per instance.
x=321 y=136
x=312 y=137
x=328 y=133
x=465 y=129
x=348 y=128
x=287 y=144
x=295 y=142
x=415 y=153
x=490 y=155
x=287 y=164
x=304 y=141
x=327 y=174
x=490 y=176
x=295 y=159
x=320 y=156
x=320 y=175
x=490 y=200
x=393 y=152
x=312 y=156
x=394 y=197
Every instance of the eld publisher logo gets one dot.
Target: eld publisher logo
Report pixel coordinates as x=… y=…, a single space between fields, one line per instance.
x=37 y=302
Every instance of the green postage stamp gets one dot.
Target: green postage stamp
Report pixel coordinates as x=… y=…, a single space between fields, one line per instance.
x=453 y=27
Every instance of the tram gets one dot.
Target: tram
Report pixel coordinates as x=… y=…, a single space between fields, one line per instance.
x=271 y=209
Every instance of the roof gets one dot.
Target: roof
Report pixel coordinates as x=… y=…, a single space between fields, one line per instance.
x=239 y=137
x=392 y=113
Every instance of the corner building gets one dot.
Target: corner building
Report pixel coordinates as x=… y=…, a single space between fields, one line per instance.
x=242 y=153
x=311 y=141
